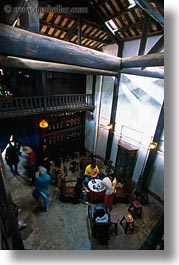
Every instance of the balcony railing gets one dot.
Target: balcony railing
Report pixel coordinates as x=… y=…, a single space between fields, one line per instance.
x=22 y=106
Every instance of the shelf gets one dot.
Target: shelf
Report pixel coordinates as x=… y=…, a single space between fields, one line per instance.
x=63 y=131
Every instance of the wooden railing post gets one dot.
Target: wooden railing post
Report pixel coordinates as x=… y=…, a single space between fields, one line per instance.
x=22 y=106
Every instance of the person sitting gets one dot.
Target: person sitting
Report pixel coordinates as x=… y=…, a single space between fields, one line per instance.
x=91 y=171
x=81 y=192
x=20 y=225
x=100 y=215
x=57 y=172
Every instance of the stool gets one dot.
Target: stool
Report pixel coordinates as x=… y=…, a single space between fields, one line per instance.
x=127 y=222
x=135 y=208
x=114 y=221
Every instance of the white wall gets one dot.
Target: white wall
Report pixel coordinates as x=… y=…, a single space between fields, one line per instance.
x=92 y=118
x=139 y=104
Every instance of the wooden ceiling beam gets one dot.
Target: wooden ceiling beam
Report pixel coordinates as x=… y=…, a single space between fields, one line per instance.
x=149 y=60
x=101 y=20
x=21 y=43
x=132 y=26
x=135 y=37
x=159 y=45
x=154 y=8
x=70 y=32
x=122 y=12
x=148 y=73
x=51 y=25
x=21 y=63
x=86 y=21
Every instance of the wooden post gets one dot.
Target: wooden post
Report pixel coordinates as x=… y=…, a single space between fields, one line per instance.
x=113 y=110
x=11 y=10
x=79 y=30
x=145 y=30
x=30 y=20
x=112 y=118
x=152 y=155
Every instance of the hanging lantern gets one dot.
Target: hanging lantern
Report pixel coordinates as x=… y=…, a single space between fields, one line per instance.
x=43 y=124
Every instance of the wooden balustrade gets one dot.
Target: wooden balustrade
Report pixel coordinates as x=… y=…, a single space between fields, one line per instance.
x=21 y=106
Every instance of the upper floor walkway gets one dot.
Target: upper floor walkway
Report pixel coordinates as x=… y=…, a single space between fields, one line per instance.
x=23 y=106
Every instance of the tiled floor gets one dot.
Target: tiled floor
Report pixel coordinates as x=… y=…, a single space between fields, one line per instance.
x=66 y=225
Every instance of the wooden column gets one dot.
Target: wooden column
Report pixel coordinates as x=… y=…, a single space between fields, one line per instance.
x=152 y=155
x=145 y=30
x=10 y=10
x=113 y=110
x=112 y=118
x=93 y=90
x=79 y=30
x=30 y=20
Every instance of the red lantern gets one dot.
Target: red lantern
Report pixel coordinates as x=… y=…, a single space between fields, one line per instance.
x=43 y=124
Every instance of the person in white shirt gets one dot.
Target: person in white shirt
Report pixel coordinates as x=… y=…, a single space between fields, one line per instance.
x=109 y=192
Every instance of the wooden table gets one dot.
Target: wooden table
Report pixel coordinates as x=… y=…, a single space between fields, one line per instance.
x=95 y=194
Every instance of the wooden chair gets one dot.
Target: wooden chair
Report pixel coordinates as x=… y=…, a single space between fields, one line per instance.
x=135 y=208
x=84 y=163
x=99 y=231
x=73 y=166
x=67 y=193
x=123 y=194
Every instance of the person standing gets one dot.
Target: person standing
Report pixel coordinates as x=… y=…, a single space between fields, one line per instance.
x=45 y=157
x=113 y=180
x=109 y=192
x=12 y=158
x=30 y=163
x=42 y=183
